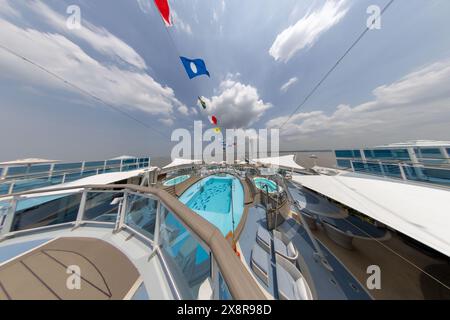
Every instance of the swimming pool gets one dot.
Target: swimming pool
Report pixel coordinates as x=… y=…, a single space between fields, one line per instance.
x=261 y=183
x=176 y=180
x=212 y=199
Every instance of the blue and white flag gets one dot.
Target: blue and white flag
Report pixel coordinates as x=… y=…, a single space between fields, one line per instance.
x=195 y=67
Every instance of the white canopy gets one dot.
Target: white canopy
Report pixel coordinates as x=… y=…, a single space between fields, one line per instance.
x=418 y=211
x=28 y=161
x=99 y=179
x=284 y=161
x=123 y=158
x=181 y=162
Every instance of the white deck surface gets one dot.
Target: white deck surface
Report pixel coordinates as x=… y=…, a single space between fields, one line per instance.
x=423 y=213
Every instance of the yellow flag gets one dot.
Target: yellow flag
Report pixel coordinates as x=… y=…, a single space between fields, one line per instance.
x=217 y=130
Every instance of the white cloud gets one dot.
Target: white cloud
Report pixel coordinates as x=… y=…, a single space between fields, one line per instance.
x=179 y=24
x=145 y=5
x=166 y=121
x=237 y=105
x=416 y=106
x=183 y=110
x=122 y=88
x=307 y=30
x=98 y=38
x=285 y=87
x=7 y=10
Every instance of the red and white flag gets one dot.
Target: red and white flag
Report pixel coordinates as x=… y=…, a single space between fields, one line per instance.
x=164 y=10
x=213 y=120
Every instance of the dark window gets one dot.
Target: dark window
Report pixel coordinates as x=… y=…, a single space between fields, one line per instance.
x=369 y=154
x=400 y=154
x=382 y=154
x=432 y=153
x=359 y=166
x=374 y=168
x=344 y=154
x=357 y=154
x=343 y=163
x=392 y=170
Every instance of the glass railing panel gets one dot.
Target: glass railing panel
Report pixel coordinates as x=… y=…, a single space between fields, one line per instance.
x=141 y=214
x=107 y=170
x=4 y=188
x=40 y=169
x=4 y=208
x=16 y=171
x=129 y=167
x=29 y=184
x=113 y=163
x=94 y=164
x=102 y=206
x=56 y=179
x=130 y=161
x=435 y=162
x=224 y=292
x=72 y=176
x=67 y=166
x=45 y=211
x=392 y=171
x=188 y=261
x=89 y=173
x=359 y=166
x=437 y=175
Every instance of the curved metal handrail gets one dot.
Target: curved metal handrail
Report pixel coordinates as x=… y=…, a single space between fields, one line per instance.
x=238 y=279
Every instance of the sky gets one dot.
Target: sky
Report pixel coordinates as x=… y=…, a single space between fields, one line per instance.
x=264 y=58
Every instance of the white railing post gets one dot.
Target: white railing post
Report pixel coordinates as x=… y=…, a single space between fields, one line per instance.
x=402 y=172
x=11 y=187
x=120 y=221
x=381 y=169
x=157 y=224
x=81 y=208
x=7 y=224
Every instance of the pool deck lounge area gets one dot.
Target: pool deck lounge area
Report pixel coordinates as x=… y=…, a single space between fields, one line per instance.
x=292 y=241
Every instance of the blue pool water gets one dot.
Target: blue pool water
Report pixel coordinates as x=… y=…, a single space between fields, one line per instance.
x=261 y=183
x=176 y=180
x=211 y=198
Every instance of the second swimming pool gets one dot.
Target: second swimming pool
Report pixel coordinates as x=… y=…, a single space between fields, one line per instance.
x=217 y=199
x=266 y=184
x=176 y=180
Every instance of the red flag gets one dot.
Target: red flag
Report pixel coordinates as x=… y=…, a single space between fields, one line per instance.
x=213 y=120
x=164 y=9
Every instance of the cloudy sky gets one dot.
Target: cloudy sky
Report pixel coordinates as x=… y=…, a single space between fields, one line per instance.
x=264 y=57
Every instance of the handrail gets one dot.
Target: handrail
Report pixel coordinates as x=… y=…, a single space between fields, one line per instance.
x=238 y=279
